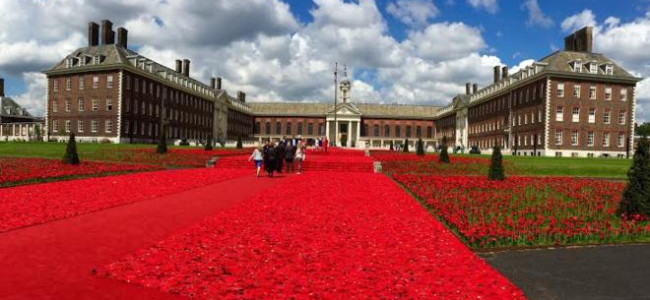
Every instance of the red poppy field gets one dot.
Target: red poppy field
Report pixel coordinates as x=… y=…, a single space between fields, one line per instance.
x=360 y=236
x=17 y=170
x=34 y=204
x=191 y=157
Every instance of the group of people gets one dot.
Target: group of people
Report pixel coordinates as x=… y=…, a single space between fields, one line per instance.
x=286 y=155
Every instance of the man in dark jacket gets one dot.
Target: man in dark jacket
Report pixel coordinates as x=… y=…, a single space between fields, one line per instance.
x=290 y=152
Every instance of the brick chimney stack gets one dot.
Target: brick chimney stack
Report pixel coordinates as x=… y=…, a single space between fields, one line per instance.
x=93 y=34
x=213 y=83
x=241 y=96
x=504 y=72
x=580 y=41
x=467 y=88
x=218 y=83
x=2 y=87
x=474 y=88
x=122 y=37
x=497 y=74
x=186 y=67
x=108 y=35
x=179 y=66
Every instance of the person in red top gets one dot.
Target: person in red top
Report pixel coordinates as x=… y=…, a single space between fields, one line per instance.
x=325 y=143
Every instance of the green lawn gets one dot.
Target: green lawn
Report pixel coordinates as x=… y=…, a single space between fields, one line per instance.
x=567 y=166
x=56 y=150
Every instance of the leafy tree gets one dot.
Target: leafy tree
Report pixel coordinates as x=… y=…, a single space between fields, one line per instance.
x=208 y=144
x=392 y=147
x=162 y=142
x=239 y=143
x=496 y=171
x=444 y=155
x=636 y=197
x=406 y=145
x=420 y=147
x=71 y=156
x=643 y=129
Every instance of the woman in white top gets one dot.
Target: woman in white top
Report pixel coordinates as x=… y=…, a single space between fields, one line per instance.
x=300 y=157
x=257 y=157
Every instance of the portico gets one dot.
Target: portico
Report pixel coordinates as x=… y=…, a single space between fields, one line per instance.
x=343 y=125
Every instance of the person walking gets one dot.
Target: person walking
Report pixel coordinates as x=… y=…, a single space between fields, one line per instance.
x=289 y=156
x=325 y=143
x=300 y=158
x=258 y=159
x=270 y=160
x=281 y=151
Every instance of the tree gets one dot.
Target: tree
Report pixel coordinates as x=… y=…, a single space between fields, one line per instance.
x=643 y=129
x=208 y=144
x=71 y=156
x=496 y=171
x=420 y=147
x=636 y=196
x=406 y=145
x=239 y=143
x=444 y=156
x=392 y=147
x=162 y=142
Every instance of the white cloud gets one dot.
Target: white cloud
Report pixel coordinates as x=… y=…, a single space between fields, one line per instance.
x=536 y=16
x=444 y=41
x=490 y=6
x=577 y=21
x=413 y=12
x=33 y=98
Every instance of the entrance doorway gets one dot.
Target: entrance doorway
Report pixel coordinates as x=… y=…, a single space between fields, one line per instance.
x=344 y=132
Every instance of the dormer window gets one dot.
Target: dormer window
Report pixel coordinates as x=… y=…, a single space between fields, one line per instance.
x=593 y=68
x=577 y=66
x=609 y=69
x=97 y=59
x=69 y=62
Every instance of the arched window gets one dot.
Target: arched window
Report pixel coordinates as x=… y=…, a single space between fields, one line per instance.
x=386 y=130
x=267 y=130
x=376 y=130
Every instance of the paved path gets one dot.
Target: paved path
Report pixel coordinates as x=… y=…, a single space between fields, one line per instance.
x=54 y=260
x=605 y=272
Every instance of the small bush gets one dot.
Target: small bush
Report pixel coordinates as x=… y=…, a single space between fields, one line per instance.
x=71 y=156
x=239 y=143
x=636 y=196
x=444 y=155
x=496 y=171
x=162 y=143
x=420 y=147
x=208 y=144
x=406 y=145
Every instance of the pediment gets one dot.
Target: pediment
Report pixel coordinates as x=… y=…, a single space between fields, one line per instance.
x=346 y=109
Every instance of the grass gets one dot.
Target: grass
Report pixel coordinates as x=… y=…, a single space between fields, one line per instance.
x=56 y=150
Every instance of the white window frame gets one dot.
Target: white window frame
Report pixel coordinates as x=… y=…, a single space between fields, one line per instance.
x=68 y=124
x=606 y=139
x=94 y=126
x=108 y=126
x=55 y=85
x=608 y=93
x=575 y=115
x=55 y=125
x=590 y=139
x=68 y=105
x=607 y=117
x=575 y=138
x=592 y=115
x=576 y=91
x=95 y=106
x=560 y=90
x=68 y=84
x=80 y=125
x=621 y=140
x=577 y=66
x=109 y=104
x=593 y=68
x=95 y=82
x=609 y=69
x=593 y=93
x=109 y=81
x=558 y=137
x=622 y=116
x=82 y=82
x=623 y=94
x=559 y=114
x=80 y=104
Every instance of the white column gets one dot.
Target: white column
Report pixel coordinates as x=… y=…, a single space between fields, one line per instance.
x=1 y=130
x=327 y=129
x=358 y=132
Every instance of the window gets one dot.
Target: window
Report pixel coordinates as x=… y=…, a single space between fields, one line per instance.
x=55 y=84
x=80 y=126
x=593 y=68
x=590 y=139
x=606 y=139
x=525 y=119
x=621 y=140
x=310 y=128
x=592 y=115
x=55 y=105
x=288 y=128
x=408 y=131
x=376 y=130
x=577 y=66
x=55 y=126
x=576 y=91
x=95 y=82
x=80 y=104
x=429 y=132
x=109 y=81
x=608 y=93
x=68 y=84
x=128 y=82
x=592 y=92
x=299 y=129
x=67 y=125
x=418 y=131
x=607 y=117
x=386 y=131
x=609 y=70
x=623 y=94
x=109 y=104
x=574 y=138
x=95 y=105
x=621 y=117
x=67 y=105
x=576 y=115
x=539 y=115
x=560 y=89
x=108 y=126
x=398 y=131
x=82 y=83
x=93 y=126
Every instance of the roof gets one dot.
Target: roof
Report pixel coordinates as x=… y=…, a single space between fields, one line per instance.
x=559 y=61
x=111 y=55
x=321 y=109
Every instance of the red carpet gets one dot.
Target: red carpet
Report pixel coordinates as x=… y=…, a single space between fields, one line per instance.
x=54 y=260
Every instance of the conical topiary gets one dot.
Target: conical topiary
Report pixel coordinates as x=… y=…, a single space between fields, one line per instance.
x=496 y=171
x=392 y=147
x=239 y=143
x=636 y=197
x=71 y=156
x=162 y=143
x=406 y=145
x=420 y=147
x=444 y=156
x=208 y=144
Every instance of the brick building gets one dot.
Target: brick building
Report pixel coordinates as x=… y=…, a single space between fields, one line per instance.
x=16 y=123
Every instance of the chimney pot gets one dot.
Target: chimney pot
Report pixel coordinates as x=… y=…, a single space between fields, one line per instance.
x=186 y=67
x=93 y=34
x=580 y=41
x=474 y=88
x=2 y=87
x=497 y=74
x=467 y=87
x=213 y=83
x=504 y=72
x=122 y=37
x=218 y=83
x=108 y=35
x=179 y=66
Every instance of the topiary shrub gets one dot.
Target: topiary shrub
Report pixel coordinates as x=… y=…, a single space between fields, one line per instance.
x=406 y=145
x=208 y=144
x=496 y=171
x=636 y=196
x=444 y=155
x=392 y=147
x=162 y=143
x=239 y=143
x=419 y=150
x=71 y=156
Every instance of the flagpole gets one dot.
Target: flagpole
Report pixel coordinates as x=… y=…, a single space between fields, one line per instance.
x=336 y=125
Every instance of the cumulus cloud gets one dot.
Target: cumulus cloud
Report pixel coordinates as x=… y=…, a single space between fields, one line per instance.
x=536 y=16
x=445 y=41
x=577 y=21
x=34 y=97
x=490 y=6
x=413 y=12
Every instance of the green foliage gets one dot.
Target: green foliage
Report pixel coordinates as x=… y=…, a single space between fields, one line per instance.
x=496 y=171
x=420 y=147
x=643 y=129
x=208 y=144
x=444 y=155
x=406 y=145
x=239 y=143
x=636 y=197
x=162 y=142
x=71 y=156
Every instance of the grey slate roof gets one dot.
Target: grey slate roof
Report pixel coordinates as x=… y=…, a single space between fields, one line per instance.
x=112 y=55
x=11 y=108
x=559 y=61
x=321 y=109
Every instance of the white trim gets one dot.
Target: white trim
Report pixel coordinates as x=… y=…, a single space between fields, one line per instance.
x=547 y=127
x=632 y=120
x=120 y=90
